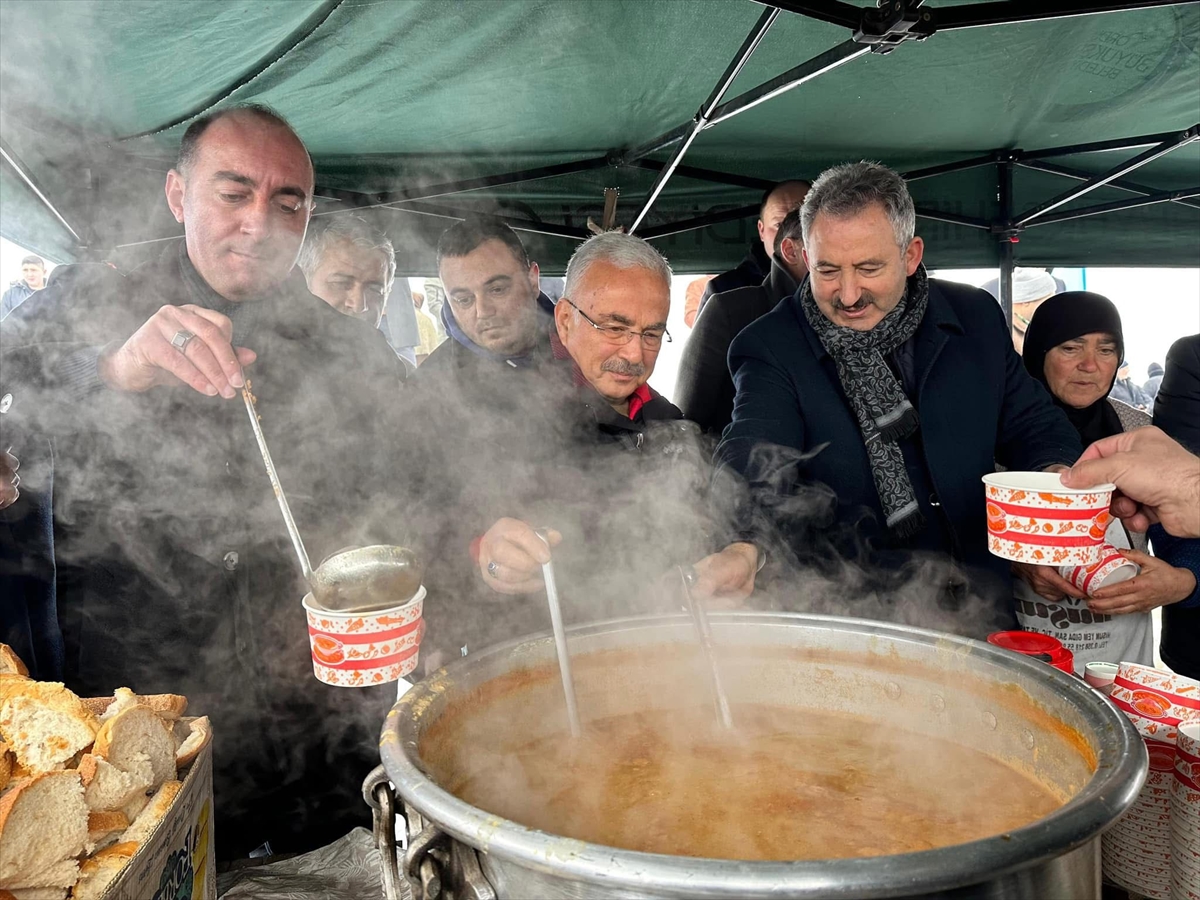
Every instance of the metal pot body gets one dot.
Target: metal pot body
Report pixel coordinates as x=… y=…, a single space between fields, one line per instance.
x=1024 y=712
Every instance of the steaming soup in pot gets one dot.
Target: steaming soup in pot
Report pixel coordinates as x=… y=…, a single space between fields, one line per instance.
x=787 y=784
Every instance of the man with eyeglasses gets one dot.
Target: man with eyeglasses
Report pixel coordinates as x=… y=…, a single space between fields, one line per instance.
x=607 y=469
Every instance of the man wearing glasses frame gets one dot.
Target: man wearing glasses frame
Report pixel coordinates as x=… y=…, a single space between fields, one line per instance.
x=608 y=329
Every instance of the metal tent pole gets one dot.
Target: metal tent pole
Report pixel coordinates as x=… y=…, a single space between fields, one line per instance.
x=1116 y=206
x=718 y=218
x=7 y=154
x=794 y=77
x=701 y=119
x=1176 y=141
x=1008 y=238
x=528 y=225
x=1129 y=143
x=431 y=191
x=1007 y=12
x=1078 y=175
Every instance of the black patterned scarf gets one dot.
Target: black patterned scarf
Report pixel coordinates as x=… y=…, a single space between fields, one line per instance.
x=885 y=415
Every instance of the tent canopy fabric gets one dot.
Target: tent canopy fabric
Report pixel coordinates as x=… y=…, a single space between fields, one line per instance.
x=403 y=94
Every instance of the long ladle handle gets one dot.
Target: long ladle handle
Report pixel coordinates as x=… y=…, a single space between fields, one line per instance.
x=704 y=632
x=293 y=531
x=560 y=640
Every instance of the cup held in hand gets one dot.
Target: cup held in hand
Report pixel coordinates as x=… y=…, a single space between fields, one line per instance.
x=1111 y=568
x=1033 y=518
x=357 y=649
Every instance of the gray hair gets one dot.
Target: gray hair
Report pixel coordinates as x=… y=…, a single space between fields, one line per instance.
x=850 y=188
x=624 y=251
x=353 y=230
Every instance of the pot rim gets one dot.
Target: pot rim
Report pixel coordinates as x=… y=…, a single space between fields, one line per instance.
x=1122 y=765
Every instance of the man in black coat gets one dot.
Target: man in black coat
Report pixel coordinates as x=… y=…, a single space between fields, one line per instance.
x=777 y=202
x=174 y=569
x=584 y=448
x=869 y=406
x=1177 y=412
x=704 y=386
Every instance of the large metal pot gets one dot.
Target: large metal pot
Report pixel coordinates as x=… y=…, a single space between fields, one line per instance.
x=1019 y=710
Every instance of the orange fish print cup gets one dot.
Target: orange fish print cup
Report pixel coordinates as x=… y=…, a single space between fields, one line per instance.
x=356 y=649
x=1033 y=518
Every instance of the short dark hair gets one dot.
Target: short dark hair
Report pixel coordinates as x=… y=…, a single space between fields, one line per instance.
x=191 y=138
x=33 y=260
x=767 y=194
x=466 y=236
x=788 y=228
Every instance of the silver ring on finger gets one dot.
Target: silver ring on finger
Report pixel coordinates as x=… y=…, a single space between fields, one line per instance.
x=492 y=568
x=181 y=340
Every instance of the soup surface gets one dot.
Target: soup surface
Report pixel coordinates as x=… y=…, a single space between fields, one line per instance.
x=786 y=785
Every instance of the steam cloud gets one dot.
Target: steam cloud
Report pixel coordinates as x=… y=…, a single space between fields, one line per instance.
x=441 y=480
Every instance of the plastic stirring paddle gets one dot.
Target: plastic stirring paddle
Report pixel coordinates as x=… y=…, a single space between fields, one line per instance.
x=560 y=638
x=704 y=631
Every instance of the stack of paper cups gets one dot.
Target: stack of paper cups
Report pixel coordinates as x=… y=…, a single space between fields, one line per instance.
x=1185 y=815
x=1137 y=850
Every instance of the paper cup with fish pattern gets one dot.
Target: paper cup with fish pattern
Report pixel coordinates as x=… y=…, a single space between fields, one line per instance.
x=1111 y=568
x=361 y=649
x=1033 y=518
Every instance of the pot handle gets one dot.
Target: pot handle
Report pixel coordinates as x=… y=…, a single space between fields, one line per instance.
x=377 y=791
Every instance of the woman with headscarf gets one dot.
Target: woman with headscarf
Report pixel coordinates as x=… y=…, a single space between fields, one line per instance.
x=1074 y=345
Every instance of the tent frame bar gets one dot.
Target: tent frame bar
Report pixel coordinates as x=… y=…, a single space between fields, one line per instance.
x=549 y=229
x=1079 y=175
x=746 y=181
x=963 y=15
x=706 y=111
x=1180 y=139
x=1117 y=206
x=14 y=162
x=432 y=191
x=877 y=29
x=705 y=221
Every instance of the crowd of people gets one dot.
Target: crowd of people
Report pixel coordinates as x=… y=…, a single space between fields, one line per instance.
x=837 y=411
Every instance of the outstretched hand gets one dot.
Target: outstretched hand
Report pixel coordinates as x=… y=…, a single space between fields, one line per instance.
x=1157 y=480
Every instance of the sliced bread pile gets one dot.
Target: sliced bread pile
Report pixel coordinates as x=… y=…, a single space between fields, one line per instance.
x=83 y=783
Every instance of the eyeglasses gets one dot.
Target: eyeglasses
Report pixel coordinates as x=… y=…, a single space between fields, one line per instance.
x=619 y=334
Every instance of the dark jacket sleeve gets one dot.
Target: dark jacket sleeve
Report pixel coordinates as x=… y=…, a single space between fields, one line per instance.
x=1182 y=553
x=702 y=385
x=49 y=344
x=1033 y=433
x=753 y=460
x=1177 y=407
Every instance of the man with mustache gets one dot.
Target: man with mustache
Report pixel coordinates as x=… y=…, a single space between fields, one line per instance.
x=174 y=570
x=870 y=404
x=593 y=454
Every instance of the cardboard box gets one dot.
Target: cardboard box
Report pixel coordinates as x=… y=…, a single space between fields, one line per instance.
x=178 y=862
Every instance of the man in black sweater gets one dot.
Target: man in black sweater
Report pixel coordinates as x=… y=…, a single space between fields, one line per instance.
x=174 y=570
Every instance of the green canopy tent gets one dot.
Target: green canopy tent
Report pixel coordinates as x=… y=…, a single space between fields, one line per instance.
x=1032 y=131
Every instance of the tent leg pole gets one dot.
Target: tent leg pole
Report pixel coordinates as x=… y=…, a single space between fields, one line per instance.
x=1008 y=237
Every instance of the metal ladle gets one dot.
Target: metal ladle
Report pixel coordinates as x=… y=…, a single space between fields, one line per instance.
x=704 y=632
x=359 y=579
x=560 y=637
